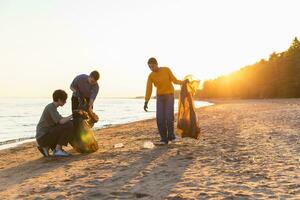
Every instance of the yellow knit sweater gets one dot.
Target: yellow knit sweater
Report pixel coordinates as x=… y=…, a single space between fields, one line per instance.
x=162 y=80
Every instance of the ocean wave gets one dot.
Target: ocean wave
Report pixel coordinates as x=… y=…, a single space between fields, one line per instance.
x=15 y=140
x=29 y=125
x=13 y=116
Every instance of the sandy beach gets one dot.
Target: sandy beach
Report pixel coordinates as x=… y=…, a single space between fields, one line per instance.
x=249 y=149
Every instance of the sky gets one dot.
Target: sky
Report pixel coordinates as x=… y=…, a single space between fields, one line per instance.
x=45 y=44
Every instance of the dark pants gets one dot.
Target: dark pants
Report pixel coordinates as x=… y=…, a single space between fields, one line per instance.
x=75 y=106
x=75 y=102
x=60 y=134
x=165 y=117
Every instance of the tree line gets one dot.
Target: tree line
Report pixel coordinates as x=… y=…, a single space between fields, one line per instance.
x=277 y=77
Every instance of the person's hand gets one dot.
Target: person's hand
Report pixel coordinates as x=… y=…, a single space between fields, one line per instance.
x=146 y=106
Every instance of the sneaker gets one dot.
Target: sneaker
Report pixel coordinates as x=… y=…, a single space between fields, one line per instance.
x=60 y=153
x=162 y=143
x=44 y=151
x=174 y=141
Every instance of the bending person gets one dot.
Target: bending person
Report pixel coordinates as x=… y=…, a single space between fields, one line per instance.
x=85 y=87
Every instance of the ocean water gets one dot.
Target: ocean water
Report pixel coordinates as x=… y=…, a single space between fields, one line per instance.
x=19 y=116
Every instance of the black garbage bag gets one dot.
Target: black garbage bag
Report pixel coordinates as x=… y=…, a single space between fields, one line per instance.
x=84 y=139
x=187 y=122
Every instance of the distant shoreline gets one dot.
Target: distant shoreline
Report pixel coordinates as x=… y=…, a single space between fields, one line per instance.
x=15 y=142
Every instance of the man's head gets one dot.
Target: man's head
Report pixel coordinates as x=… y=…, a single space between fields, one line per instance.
x=94 y=77
x=60 y=97
x=153 y=65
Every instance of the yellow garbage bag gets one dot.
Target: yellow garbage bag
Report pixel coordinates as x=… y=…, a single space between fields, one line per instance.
x=187 y=122
x=84 y=140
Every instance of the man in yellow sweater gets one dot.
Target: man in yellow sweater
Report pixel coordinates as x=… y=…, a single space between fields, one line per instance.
x=162 y=78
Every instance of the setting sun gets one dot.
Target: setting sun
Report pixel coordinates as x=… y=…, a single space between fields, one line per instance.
x=44 y=44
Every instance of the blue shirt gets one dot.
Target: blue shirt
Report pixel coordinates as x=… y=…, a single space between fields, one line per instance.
x=84 y=88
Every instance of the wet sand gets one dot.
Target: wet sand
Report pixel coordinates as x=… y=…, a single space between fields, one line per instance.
x=248 y=150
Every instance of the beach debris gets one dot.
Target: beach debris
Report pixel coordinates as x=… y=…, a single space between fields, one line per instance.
x=119 y=145
x=148 y=145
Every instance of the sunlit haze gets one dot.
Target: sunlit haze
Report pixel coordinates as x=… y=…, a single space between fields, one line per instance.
x=45 y=44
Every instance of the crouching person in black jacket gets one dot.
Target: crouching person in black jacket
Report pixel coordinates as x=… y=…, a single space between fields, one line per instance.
x=54 y=131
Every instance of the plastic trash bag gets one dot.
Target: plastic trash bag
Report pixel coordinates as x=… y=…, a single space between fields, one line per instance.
x=188 y=123
x=84 y=139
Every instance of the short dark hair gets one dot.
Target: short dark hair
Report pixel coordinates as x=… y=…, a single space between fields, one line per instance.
x=152 y=60
x=59 y=94
x=95 y=75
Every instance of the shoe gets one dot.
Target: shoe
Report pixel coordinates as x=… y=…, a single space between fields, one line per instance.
x=44 y=151
x=60 y=153
x=174 y=141
x=162 y=143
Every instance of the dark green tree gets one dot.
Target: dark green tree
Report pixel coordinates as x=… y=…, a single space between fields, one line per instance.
x=277 y=77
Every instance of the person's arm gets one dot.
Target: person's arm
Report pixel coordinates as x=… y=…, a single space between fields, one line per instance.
x=65 y=119
x=94 y=93
x=174 y=79
x=148 y=93
x=148 y=89
x=57 y=118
